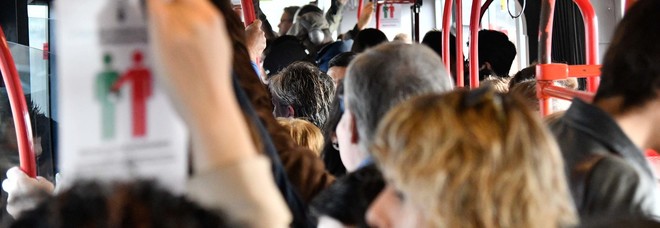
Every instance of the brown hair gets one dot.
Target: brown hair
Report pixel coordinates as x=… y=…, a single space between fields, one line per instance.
x=470 y=160
x=304 y=133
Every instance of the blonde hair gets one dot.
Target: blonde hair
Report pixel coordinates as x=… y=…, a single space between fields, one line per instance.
x=499 y=84
x=304 y=133
x=466 y=162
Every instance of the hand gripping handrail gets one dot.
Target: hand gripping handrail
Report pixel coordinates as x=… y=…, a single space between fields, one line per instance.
x=18 y=108
x=248 y=12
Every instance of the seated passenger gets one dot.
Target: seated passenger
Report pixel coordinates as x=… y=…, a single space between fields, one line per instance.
x=345 y=203
x=304 y=133
x=402 y=37
x=602 y=143
x=374 y=84
x=499 y=84
x=301 y=90
x=482 y=160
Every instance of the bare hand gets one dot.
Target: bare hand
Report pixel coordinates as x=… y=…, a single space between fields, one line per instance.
x=365 y=17
x=190 y=44
x=24 y=193
x=255 y=40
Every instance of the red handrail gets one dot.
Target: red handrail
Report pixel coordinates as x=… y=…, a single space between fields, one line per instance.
x=546 y=71
x=446 y=32
x=475 y=16
x=359 y=9
x=484 y=8
x=630 y=3
x=591 y=34
x=248 y=12
x=460 y=62
x=18 y=108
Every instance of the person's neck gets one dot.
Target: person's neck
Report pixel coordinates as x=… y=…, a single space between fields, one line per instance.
x=638 y=123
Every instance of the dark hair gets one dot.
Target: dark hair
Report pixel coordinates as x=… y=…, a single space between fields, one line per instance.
x=291 y=11
x=283 y=51
x=433 y=39
x=348 y=199
x=139 y=204
x=368 y=38
x=307 y=9
x=631 y=66
x=495 y=48
x=330 y=155
x=341 y=60
x=529 y=73
x=308 y=90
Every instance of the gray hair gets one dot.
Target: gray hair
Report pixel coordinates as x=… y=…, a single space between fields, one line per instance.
x=385 y=76
x=307 y=89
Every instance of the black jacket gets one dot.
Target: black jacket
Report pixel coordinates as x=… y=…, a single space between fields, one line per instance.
x=621 y=183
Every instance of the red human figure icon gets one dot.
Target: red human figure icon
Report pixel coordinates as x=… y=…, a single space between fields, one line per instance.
x=391 y=10
x=140 y=79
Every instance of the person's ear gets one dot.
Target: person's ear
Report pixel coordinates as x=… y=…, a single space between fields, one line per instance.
x=291 y=113
x=355 y=135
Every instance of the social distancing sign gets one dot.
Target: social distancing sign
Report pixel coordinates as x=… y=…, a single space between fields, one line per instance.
x=116 y=122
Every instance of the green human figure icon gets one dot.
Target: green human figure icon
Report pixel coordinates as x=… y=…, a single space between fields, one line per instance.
x=104 y=82
x=385 y=9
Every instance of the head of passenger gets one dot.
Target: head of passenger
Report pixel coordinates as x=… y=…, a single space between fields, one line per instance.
x=373 y=85
x=301 y=90
x=338 y=64
x=482 y=160
x=311 y=28
x=433 y=40
x=139 y=204
x=526 y=90
x=304 y=133
x=501 y=85
x=496 y=54
x=330 y=155
x=402 y=37
x=345 y=202
x=368 y=38
x=282 y=52
x=286 y=21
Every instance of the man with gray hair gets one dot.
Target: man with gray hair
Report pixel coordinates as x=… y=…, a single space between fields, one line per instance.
x=375 y=82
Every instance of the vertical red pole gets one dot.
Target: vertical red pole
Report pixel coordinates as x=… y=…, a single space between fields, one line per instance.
x=248 y=12
x=591 y=34
x=378 y=5
x=474 y=43
x=460 y=62
x=545 y=53
x=446 y=32
x=359 y=9
x=18 y=108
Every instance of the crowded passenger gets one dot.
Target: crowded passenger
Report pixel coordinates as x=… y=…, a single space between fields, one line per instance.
x=602 y=143
x=483 y=160
x=301 y=90
x=496 y=54
x=286 y=20
x=304 y=133
x=331 y=156
x=373 y=85
x=368 y=38
x=345 y=203
x=338 y=64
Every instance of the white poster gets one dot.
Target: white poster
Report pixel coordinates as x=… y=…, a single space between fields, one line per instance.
x=116 y=122
x=390 y=15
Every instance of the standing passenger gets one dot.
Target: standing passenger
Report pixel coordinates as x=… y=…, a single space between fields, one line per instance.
x=602 y=143
x=376 y=81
